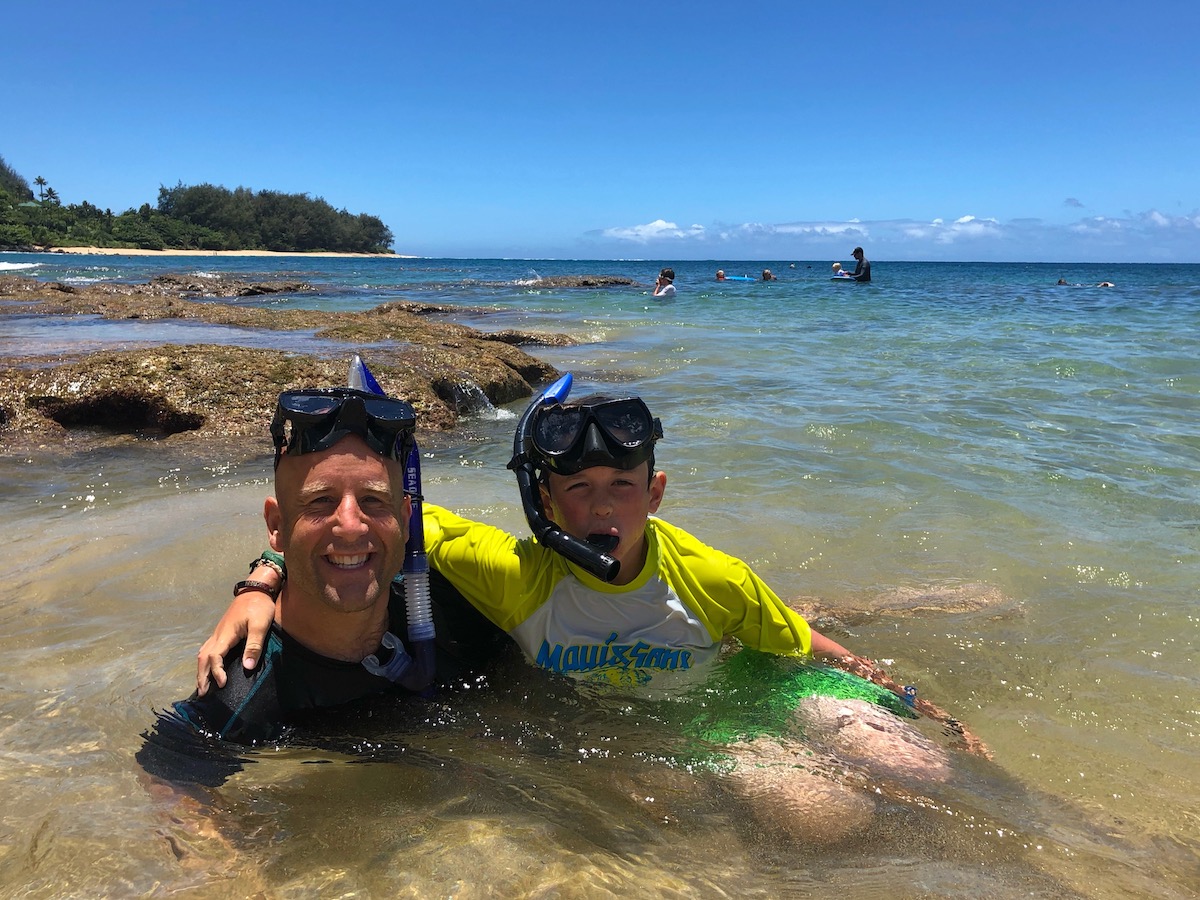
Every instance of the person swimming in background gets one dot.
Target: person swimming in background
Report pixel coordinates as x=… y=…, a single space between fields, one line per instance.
x=1062 y=281
x=720 y=274
x=767 y=276
x=665 y=285
x=1106 y=284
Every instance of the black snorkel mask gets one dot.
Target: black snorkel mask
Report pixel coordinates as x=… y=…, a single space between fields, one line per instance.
x=616 y=433
x=566 y=440
x=310 y=421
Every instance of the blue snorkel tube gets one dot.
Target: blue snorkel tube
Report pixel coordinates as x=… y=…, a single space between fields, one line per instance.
x=415 y=672
x=583 y=554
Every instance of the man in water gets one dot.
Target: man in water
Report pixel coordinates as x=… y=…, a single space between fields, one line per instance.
x=862 y=271
x=341 y=515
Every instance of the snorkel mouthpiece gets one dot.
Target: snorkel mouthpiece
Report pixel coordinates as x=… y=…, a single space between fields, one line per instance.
x=592 y=558
x=605 y=543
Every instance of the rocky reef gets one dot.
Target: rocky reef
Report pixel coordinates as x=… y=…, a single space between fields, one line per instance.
x=197 y=391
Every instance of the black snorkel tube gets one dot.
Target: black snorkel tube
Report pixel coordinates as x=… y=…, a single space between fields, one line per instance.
x=584 y=554
x=416 y=671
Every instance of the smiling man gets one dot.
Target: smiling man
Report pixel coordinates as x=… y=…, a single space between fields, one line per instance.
x=340 y=513
x=341 y=517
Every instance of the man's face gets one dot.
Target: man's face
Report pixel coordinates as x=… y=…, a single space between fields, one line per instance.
x=604 y=500
x=341 y=518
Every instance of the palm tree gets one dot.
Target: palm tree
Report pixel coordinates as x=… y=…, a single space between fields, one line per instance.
x=41 y=183
x=52 y=197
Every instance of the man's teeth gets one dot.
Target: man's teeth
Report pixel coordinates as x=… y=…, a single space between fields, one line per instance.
x=348 y=562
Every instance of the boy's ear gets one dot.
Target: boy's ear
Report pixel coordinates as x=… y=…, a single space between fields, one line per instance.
x=547 y=503
x=658 y=486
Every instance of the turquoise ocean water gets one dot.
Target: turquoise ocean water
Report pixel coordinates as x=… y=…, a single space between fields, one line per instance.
x=991 y=477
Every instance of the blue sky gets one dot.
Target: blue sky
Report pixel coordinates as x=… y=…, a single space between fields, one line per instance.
x=774 y=130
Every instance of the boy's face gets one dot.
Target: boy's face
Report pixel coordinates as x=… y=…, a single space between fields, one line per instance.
x=603 y=500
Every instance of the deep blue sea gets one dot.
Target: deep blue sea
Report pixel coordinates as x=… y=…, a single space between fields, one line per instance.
x=995 y=473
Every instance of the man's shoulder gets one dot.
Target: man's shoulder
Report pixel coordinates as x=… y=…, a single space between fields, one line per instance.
x=247 y=707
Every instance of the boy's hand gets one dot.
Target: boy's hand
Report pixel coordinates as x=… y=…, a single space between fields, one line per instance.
x=249 y=616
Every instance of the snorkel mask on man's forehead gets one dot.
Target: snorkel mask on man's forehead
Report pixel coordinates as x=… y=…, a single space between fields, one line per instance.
x=310 y=421
x=552 y=437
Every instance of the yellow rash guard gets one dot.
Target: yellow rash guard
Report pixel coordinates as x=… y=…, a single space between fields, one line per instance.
x=670 y=619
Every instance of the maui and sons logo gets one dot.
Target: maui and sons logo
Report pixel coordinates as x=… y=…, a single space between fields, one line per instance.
x=610 y=661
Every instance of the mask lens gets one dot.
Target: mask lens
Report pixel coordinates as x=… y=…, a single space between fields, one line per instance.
x=627 y=422
x=557 y=429
x=309 y=404
x=397 y=412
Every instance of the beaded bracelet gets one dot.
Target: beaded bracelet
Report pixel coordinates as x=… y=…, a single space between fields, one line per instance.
x=243 y=587
x=271 y=560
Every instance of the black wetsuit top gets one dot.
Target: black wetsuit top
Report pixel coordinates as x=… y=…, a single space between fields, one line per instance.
x=862 y=272
x=292 y=681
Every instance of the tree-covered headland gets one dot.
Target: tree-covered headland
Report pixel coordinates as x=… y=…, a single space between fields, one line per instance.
x=186 y=217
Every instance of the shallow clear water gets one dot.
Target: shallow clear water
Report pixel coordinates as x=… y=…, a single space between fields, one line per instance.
x=1018 y=456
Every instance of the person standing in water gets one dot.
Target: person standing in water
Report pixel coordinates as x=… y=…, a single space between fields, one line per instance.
x=665 y=285
x=862 y=271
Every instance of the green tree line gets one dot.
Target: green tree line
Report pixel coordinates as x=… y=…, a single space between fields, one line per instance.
x=196 y=217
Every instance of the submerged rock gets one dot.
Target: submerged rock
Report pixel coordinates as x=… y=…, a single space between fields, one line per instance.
x=583 y=281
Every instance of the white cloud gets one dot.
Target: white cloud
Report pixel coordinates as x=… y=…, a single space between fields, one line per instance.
x=656 y=230
x=1096 y=225
x=821 y=228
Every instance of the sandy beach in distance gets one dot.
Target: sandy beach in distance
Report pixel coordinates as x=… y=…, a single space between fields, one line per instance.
x=121 y=251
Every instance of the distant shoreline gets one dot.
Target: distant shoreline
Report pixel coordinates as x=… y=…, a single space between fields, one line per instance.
x=121 y=251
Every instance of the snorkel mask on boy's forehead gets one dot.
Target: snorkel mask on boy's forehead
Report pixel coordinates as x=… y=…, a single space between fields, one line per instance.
x=310 y=421
x=596 y=431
